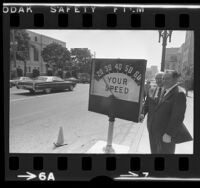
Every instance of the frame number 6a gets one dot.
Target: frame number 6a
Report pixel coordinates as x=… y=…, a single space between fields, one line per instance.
x=46 y=176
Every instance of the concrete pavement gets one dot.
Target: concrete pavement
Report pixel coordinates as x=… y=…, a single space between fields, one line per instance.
x=35 y=121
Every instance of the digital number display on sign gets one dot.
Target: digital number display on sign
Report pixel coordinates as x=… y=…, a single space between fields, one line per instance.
x=121 y=79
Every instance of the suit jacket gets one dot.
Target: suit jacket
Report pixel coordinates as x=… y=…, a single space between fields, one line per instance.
x=182 y=135
x=168 y=115
x=149 y=106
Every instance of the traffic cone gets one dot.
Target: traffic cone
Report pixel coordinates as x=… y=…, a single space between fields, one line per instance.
x=60 y=140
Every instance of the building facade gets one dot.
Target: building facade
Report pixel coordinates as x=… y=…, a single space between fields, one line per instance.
x=154 y=70
x=35 y=61
x=182 y=59
x=151 y=72
x=172 y=58
x=187 y=68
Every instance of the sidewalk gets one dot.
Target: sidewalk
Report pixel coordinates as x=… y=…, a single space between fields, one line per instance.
x=136 y=138
x=187 y=147
x=144 y=145
x=184 y=148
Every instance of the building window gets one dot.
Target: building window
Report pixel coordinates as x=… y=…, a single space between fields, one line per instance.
x=173 y=67
x=21 y=54
x=36 y=54
x=36 y=39
x=29 y=69
x=173 y=58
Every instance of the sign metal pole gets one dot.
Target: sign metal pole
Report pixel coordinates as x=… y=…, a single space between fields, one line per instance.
x=109 y=148
x=115 y=85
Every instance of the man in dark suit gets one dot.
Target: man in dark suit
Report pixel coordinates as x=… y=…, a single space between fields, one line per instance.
x=166 y=120
x=151 y=101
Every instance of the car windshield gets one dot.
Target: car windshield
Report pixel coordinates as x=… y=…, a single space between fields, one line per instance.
x=25 y=78
x=55 y=78
x=42 y=78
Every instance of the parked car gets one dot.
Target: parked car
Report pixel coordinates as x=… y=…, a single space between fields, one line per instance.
x=22 y=79
x=84 y=77
x=46 y=84
x=72 y=79
x=12 y=83
x=15 y=82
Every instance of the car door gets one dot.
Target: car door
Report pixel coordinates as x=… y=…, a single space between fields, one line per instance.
x=65 y=84
x=58 y=83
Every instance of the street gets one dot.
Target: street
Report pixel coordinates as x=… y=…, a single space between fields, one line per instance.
x=35 y=121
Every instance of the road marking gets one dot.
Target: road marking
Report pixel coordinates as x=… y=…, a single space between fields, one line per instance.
x=22 y=99
x=26 y=115
x=43 y=95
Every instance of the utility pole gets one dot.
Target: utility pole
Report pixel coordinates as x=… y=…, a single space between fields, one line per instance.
x=164 y=34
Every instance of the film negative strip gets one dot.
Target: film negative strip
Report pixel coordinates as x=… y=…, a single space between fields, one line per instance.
x=104 y=56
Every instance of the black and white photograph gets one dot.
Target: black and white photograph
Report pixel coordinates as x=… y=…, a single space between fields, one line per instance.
x=101 y=91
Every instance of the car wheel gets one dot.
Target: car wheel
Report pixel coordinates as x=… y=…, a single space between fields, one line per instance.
x=47 y=90
x=71 y=88
x=32 y=91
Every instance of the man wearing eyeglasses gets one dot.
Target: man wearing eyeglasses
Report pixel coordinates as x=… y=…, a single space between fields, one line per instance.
x=169 y=114
x=166 y=118
x=150 y=103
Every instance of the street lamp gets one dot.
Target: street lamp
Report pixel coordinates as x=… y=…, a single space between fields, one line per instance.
x=164 y=34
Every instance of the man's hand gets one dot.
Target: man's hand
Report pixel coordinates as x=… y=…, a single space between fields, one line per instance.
x=141 y=118
x=167 y=138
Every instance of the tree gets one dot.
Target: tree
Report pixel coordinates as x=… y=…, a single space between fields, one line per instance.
x=56 y=56
x=19 y=72
x=22 y=40
x=81 y=58
x=35 y=73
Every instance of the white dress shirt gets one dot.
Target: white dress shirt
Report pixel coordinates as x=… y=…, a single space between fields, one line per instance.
x=169 y=89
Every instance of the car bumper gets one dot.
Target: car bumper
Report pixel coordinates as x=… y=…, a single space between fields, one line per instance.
x=25 y=87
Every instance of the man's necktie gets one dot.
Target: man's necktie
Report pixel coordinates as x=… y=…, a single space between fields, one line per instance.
x=157 y=98
x=159 y=92
x=162 y=96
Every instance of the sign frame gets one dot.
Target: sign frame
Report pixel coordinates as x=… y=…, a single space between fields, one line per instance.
x=127 y=110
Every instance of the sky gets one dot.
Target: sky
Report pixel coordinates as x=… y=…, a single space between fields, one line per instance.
x=127 y=44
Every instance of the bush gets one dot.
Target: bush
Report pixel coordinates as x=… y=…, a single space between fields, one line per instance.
x=35 y=73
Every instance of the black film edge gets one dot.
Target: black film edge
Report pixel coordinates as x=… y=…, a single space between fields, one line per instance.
x=46 y=166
